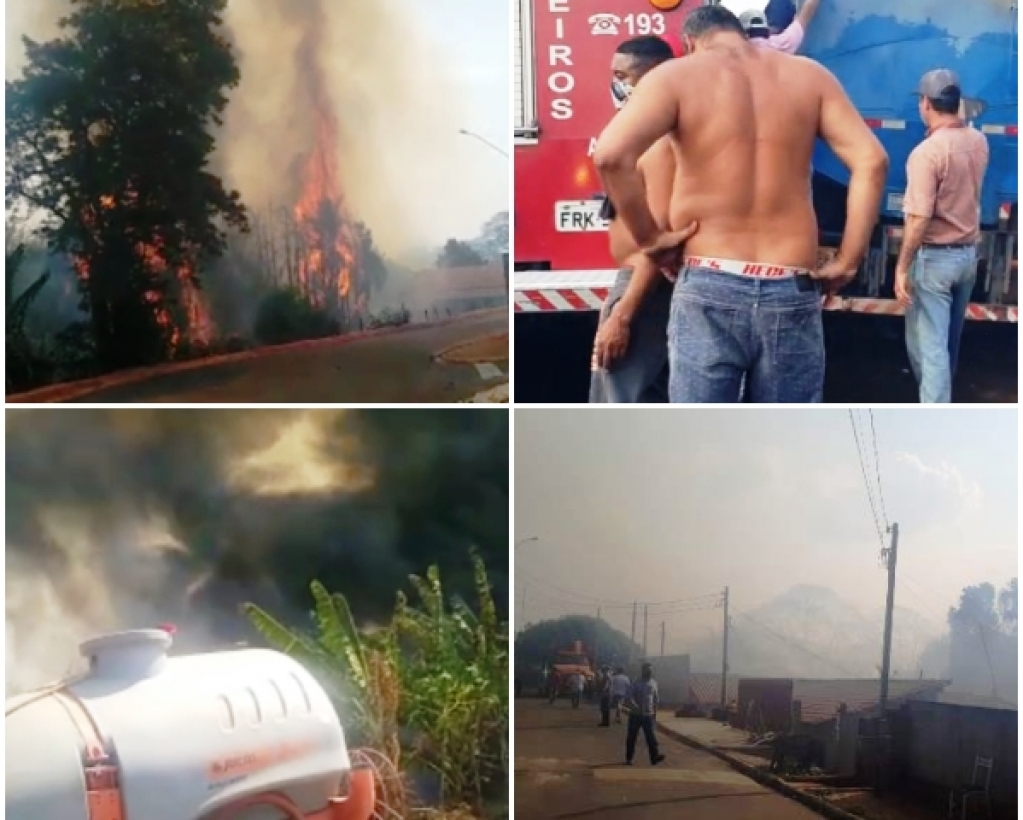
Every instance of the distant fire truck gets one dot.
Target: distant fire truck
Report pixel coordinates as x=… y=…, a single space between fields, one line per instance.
x=562 y=103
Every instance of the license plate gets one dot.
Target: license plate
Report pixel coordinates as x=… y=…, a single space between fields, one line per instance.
x=579 y=216
x=895 y=203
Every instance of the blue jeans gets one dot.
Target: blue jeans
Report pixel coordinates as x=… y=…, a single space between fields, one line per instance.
x=724 y=329
x=942 y=281
x=641 y=375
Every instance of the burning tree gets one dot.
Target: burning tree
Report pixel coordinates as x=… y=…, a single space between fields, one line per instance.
x=108 y=136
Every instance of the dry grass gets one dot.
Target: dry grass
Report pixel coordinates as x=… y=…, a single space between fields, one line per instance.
x=493 y=348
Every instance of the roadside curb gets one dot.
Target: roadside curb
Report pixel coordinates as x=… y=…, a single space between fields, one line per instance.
x=76 y=389
x=818 y=805
x=441 y=354
x=499 y=394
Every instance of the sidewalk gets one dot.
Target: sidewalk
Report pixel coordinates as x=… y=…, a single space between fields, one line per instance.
x=722 y=741
x=708 y=732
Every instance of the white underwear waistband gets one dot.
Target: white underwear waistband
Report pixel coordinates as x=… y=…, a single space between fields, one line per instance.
x=753 y=270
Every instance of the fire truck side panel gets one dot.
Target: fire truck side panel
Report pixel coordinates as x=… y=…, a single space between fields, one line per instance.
x=877 y=51
x=569 y=50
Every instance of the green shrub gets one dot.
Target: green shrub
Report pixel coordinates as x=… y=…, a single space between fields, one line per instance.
x=429 y=689
x=285 y=315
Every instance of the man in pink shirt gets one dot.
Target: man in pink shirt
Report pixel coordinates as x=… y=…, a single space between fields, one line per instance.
x=937 y=264
x=780 y=27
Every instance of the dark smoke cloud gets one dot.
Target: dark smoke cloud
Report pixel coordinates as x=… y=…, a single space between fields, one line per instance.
x=122 y=519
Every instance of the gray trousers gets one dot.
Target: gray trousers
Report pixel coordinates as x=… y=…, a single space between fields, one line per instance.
x=641 y=375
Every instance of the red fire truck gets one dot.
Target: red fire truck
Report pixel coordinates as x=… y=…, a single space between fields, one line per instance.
x=562 y=103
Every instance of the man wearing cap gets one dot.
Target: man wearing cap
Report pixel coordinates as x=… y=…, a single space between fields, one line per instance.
x=780 y=27
x=937 y=264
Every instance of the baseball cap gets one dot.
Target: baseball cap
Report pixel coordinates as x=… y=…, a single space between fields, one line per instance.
x=755 y=23
x=940 y=84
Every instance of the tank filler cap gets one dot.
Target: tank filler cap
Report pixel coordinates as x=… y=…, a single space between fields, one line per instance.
x=137 y=654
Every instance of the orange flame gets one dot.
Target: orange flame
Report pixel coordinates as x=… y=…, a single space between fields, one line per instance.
x=197 y=326
x=328 y=266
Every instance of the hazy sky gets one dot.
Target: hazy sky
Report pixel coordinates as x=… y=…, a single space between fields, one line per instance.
x=663 y=505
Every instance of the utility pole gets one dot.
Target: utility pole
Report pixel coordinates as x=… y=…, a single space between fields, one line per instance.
x=646 y=618
x=889 y=556
x=662 y=639
x=724 y=659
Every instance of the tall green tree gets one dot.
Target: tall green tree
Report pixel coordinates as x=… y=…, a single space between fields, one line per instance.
x=457 y=254
x=109 y=134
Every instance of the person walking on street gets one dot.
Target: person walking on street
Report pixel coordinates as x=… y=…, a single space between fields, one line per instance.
x=620 y=688
x=605 y=698
x=553 y=685
x=576 y=684
x=937 y=264
x=642 y=715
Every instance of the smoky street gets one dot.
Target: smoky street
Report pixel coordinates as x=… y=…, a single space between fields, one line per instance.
x=568 y=767
x=866 y=360
x=390 y=367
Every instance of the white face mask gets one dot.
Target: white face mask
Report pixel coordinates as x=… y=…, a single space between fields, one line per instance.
x=620 y=93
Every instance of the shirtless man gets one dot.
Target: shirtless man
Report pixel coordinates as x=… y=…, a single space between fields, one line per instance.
x=747 y=302
x=630 y=353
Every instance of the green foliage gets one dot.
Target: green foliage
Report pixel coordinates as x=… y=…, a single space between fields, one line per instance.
x=438 y=671
x=285 y=315
x=25 y=366
x=457 y=254
x=109 y=136
x=537 y=642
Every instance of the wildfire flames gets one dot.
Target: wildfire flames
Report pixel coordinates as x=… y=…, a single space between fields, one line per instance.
x=196 y=325
x=329 y=260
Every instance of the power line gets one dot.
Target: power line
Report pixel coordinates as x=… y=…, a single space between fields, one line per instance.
x=877 y=467
x=866 y=480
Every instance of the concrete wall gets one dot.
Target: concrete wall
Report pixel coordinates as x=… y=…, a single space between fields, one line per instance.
x=672 y=675
x=765 y=704
x=941 y=742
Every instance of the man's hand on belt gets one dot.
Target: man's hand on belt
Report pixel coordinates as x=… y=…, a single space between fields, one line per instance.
x=835 y=275
x=668 y=249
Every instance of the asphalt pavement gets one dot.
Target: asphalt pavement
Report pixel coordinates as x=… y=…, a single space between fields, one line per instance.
x=390 y=366
x=568 y=767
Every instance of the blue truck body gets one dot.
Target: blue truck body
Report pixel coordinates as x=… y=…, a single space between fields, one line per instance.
x=878 y=49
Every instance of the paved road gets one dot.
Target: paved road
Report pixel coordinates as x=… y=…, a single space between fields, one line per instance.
x=566 y=767
x=394 y=367
x=867 y=360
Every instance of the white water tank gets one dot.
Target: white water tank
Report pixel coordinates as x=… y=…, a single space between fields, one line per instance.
x=184 y=736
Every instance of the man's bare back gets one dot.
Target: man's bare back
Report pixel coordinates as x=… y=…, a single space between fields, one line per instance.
x=745 y=144
x=744 y=141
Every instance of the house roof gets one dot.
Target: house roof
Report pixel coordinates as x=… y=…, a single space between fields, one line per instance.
x=820 y=699
x=705 y=688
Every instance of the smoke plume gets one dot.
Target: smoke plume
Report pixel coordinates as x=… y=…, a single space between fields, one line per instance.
x=390 y=88
x=125 y=519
